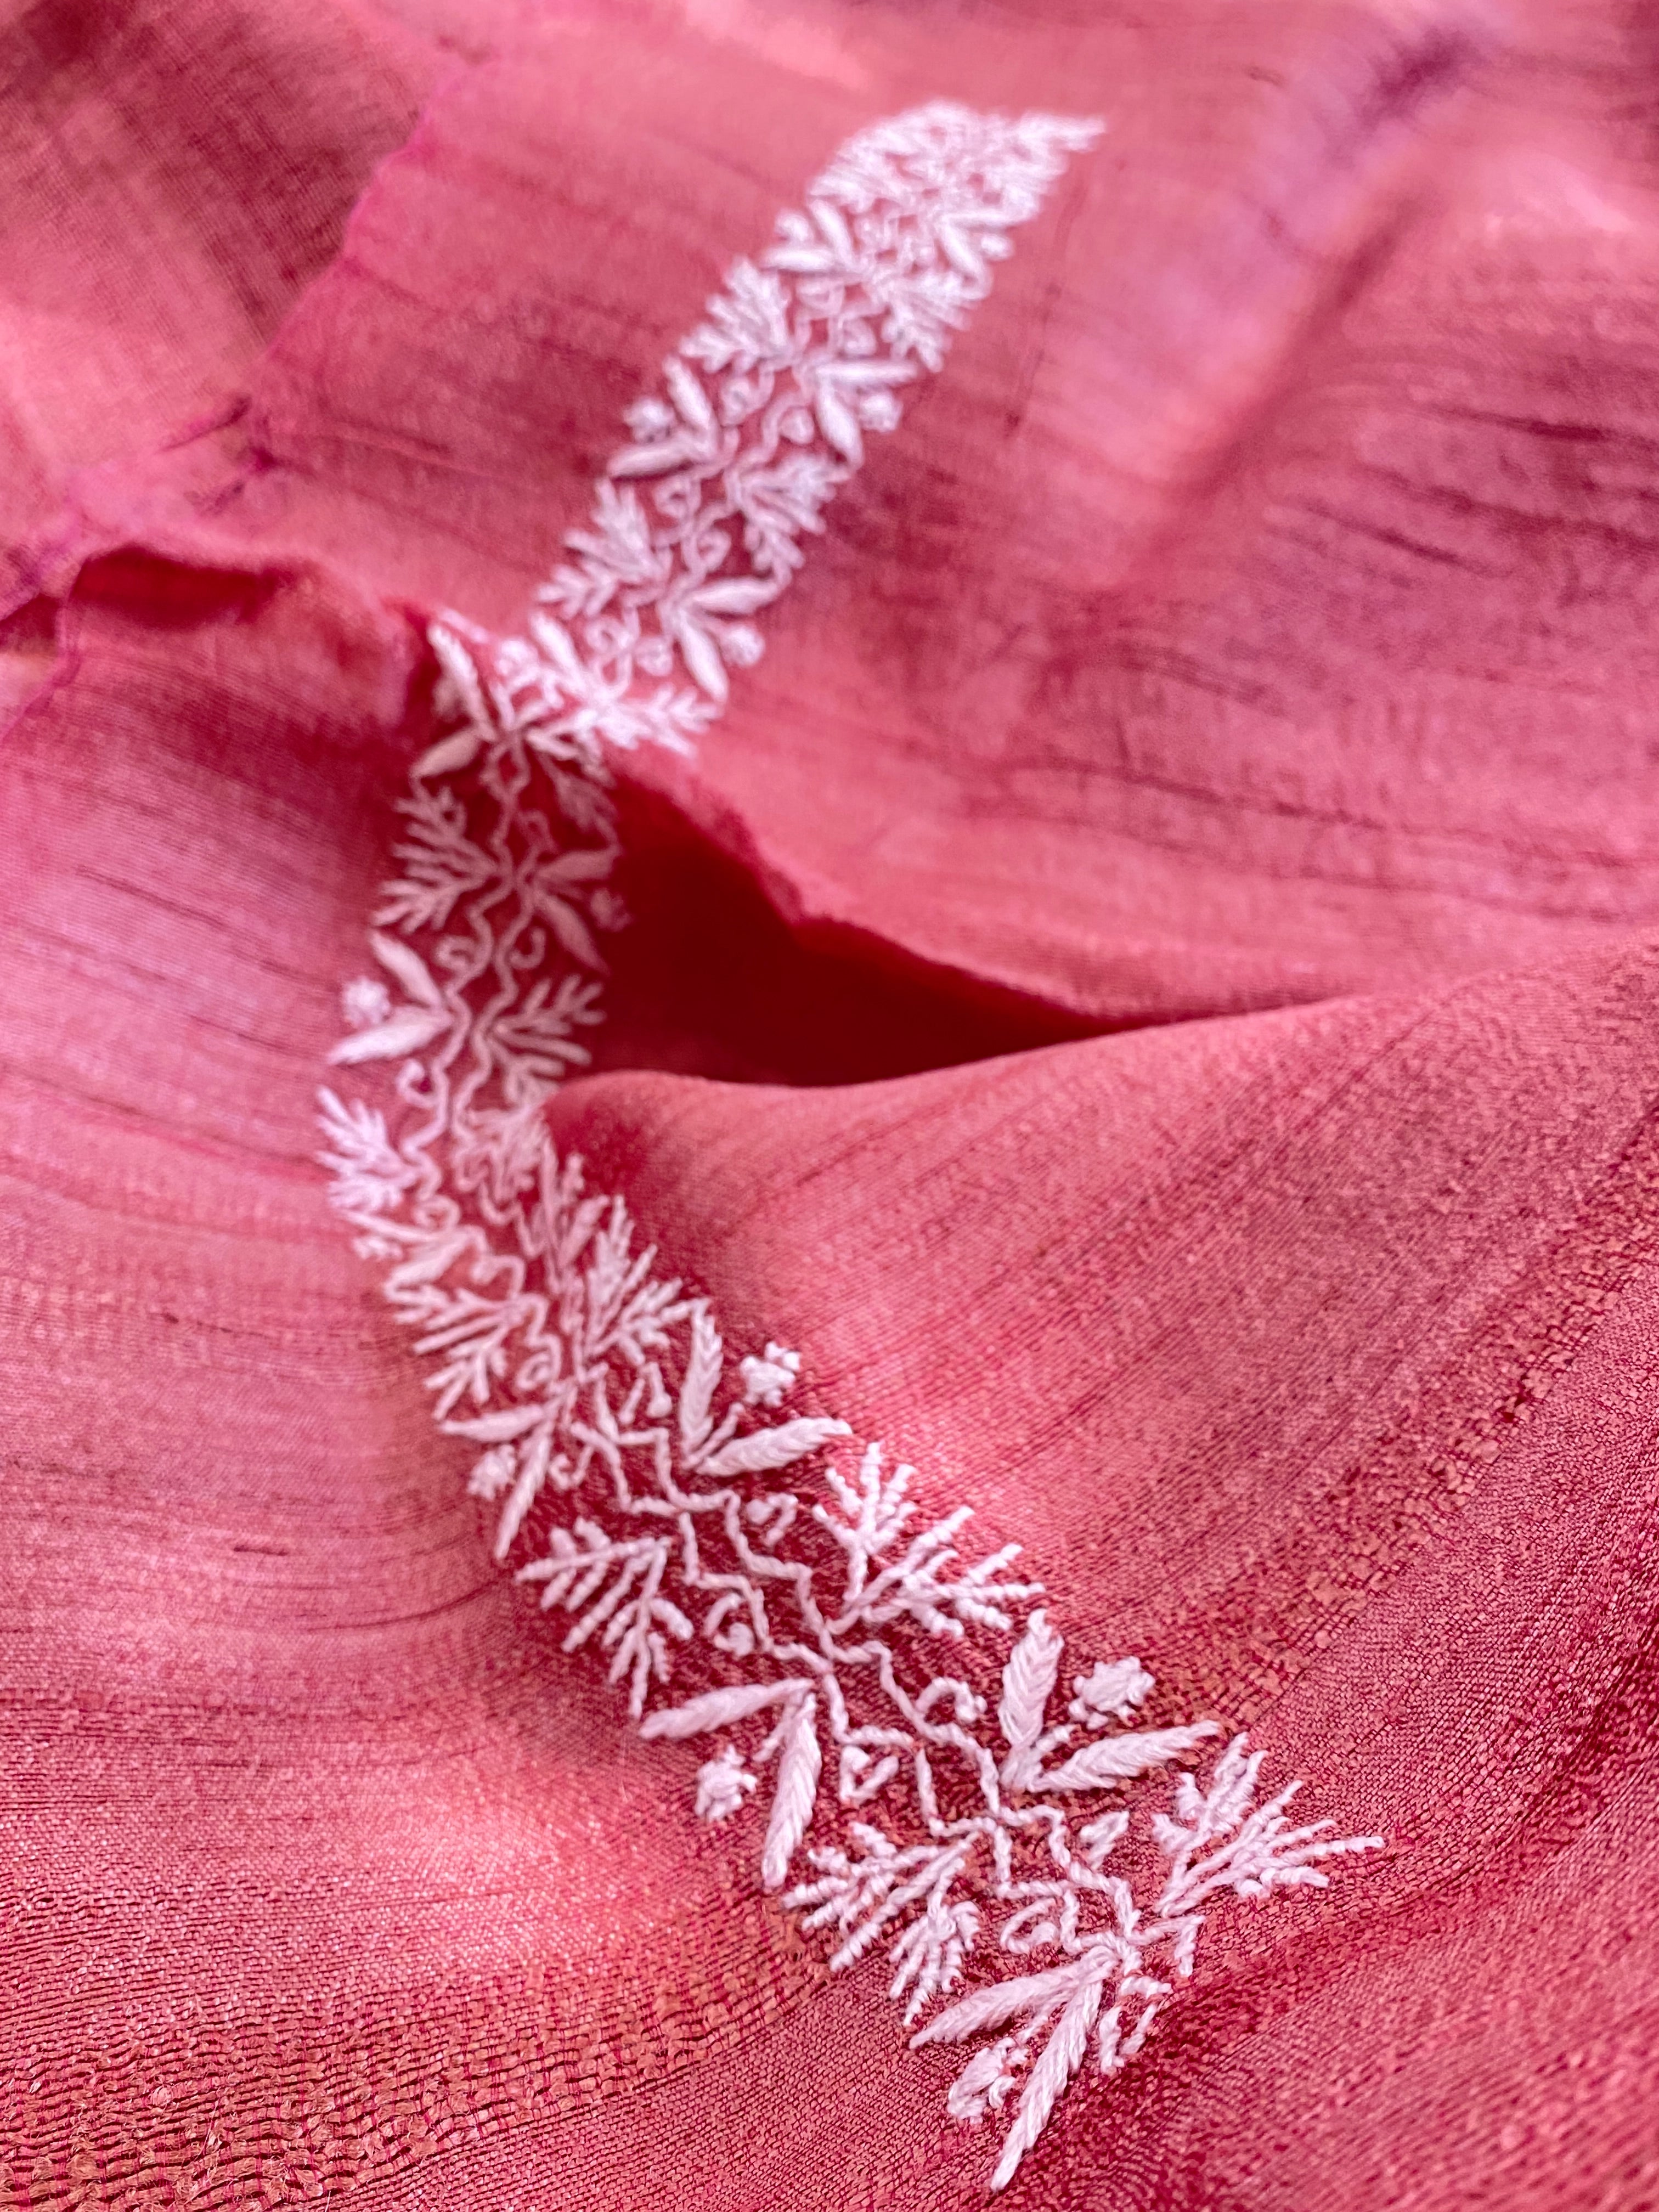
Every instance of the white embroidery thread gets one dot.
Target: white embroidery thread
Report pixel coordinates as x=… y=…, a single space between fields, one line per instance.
x=709 y=1529
x=696 y=525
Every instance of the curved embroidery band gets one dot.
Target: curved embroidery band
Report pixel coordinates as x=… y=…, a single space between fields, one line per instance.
x=698 y=1527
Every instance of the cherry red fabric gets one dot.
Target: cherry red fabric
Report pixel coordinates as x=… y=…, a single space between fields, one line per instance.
x=1151 y=986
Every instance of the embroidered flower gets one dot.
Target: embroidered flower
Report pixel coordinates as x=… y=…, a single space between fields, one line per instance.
x=648 y=418
x=1109 y=1693
x=366 y=1002
x=985 y=2081
x=766 y=1380
x=722 y=1785
x=607 y=911
x=493 y=1474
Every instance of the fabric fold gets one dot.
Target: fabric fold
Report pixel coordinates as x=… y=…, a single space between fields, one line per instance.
x=1118 y=1176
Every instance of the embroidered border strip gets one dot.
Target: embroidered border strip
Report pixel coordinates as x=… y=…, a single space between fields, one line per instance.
x=754 y=1577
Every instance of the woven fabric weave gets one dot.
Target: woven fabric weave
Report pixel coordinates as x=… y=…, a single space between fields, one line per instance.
x=1150 y=986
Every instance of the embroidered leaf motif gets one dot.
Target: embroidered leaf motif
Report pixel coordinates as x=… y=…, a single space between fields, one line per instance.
x=371 y=1176
x=572 y=931
x=533 y=1465
x=718 y=1709
x=430 y=1261
x=410 y=1029
x=690 y=396
x=464 y=691
x=863 y=1893
x=614 y=1588
x=1119 y=1757
x=700 y=653
x=1027 y=1680
x=703 y=1373
x=995 y=2007
x=736 y=595
x=800 y=1761
x=500 y=1427
x=766 y=1448
x=923 y=1583
x=928 y=1957
x=449 y=756
x=1062 y=2054
x=411 y=970
x=441 y=863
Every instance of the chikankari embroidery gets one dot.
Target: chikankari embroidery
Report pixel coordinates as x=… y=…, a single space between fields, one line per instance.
x=875 y=1696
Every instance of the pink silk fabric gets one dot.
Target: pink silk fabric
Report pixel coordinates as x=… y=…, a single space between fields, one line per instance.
x=1152 y=985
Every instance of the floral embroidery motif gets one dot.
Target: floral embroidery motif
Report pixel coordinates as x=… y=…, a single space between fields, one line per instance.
x=753 y=1578
x=696 y=525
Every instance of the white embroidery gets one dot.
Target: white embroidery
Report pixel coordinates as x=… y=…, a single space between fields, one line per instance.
x=697 y=524
x=781 y=1578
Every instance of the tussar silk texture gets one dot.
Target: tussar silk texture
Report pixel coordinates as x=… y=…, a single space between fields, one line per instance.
x=1312 y=1353
x=1258 y=609
x=1152 y=987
